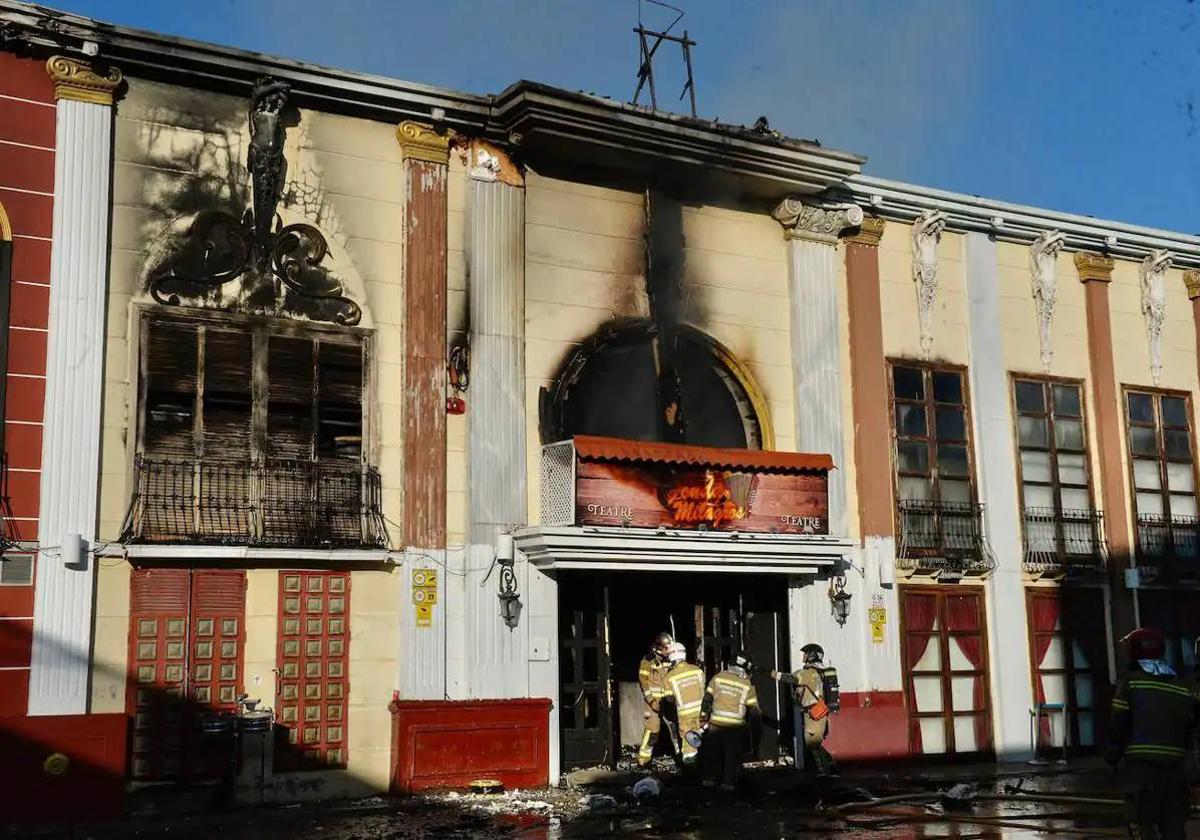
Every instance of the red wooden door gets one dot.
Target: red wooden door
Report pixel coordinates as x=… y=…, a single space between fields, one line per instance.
x=186 y=639
x=313 y=669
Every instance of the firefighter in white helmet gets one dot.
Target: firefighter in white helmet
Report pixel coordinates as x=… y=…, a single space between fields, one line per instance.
x=685 y=682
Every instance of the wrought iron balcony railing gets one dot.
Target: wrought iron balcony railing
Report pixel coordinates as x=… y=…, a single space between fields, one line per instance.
x=1064 y=540
x=942 y=535
x=1168 y=543
x=265 y=503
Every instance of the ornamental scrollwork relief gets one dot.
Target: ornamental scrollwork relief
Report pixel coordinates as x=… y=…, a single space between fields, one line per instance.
x=818 y=222
x=1043 y=259
x=926 y=234
x=279 y=268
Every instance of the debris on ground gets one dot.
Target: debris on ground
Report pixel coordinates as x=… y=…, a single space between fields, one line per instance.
x=647 y=788
x=959 y=797
x=599 y=802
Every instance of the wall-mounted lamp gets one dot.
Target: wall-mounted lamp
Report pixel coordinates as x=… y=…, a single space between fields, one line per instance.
x=839 y=600
x=510 y=598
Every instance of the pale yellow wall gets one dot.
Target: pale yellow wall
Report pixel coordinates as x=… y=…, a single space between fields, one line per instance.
x=344 y=176
x=110 y=639
x=585 y=266
x=1020 y=330
x=1131 y=345
x=898 y=298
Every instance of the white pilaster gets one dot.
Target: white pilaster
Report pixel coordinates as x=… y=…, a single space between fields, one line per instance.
x=1012 y=693
x=496 y=656
x=74 y=369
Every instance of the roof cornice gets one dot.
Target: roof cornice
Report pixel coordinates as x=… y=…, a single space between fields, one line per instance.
x=1016 y=222
x=547 y=120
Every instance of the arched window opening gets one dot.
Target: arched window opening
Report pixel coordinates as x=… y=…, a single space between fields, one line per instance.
x=609 y=387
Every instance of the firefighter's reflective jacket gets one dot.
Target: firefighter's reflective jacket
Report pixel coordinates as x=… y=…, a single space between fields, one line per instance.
x=652 y=677
x=727 y=699
x=1153 y=718
x=685 y=683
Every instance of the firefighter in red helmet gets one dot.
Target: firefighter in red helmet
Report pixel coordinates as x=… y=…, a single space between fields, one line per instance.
x=1154 y=715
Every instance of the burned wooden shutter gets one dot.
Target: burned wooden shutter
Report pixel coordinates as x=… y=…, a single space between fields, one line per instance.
x=171 y=371
x=290 y=378
x=227 y=494
x=289 y=485
x=157 y=684
x=339 y=402
x=339 y=443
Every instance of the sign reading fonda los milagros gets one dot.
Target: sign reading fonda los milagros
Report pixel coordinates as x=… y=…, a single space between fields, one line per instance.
x=634 y=484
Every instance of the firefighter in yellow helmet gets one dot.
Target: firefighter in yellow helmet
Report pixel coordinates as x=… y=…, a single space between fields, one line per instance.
x=729 y=703
x=652 y=678
x=685 y=683
x=1154 y=714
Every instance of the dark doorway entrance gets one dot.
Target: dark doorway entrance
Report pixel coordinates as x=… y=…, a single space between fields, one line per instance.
x=607 y=622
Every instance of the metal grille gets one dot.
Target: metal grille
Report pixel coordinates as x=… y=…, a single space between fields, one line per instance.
x=558 y=483
x=313 y=667
x=272 y=502
x=1063 y=539
x=943 y=535
x=1168 y=542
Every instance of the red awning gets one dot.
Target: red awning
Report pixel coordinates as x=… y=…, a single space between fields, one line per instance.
x=639 y=451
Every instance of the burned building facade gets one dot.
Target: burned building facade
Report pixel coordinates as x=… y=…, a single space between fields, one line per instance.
x=415 y=415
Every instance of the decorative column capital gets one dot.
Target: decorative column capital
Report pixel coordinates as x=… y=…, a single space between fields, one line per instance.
x=82 y=82
x=1093 y=266
x=870 y=231
x=1191 y=279
x=816 y=222
x=422 y=142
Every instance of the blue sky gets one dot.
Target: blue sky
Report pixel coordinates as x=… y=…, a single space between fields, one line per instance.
x=1089 y=106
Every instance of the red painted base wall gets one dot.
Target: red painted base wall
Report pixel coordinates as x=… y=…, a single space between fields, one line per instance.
x=438 y=744
x=872 y=726
x=94 y=782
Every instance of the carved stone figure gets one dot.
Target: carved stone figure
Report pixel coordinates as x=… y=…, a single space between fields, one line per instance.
x=1154 y=304
x=926 y=234
x=1043 y=254
x=268 y=167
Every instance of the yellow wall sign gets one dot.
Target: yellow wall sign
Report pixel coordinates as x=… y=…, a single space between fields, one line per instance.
x=424 y=595
x=878 y=618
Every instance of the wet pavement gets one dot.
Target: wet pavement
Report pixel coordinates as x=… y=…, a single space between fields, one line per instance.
x=1016 y=801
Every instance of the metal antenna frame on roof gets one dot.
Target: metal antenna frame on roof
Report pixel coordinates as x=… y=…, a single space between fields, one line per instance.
x=645 y=72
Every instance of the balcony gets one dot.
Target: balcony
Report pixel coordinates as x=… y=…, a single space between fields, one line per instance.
x=263 y=503
x=1064 y=540
x=943 y=537
x=1168 y=544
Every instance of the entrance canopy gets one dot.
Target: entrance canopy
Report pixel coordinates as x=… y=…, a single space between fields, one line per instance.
x=673 y=550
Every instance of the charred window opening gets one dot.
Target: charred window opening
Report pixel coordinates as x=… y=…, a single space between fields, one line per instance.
x=251 y=432
x=609 y=387
x=200 y=393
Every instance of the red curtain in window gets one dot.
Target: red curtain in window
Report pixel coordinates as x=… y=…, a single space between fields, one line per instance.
x=1044 y=610
x=962 y=616
x=920 y=615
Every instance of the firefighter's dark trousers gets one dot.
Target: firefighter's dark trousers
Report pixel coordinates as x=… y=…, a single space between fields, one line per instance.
x=1157 y=800
x=721 y=754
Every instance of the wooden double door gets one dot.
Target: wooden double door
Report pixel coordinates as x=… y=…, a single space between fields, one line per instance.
x=186 y=637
